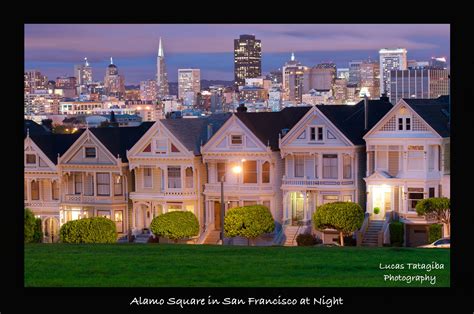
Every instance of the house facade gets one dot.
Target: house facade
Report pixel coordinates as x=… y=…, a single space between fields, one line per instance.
x=168 y=169
x=408 y=160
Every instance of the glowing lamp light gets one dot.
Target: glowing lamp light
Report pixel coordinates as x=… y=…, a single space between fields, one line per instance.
x=237 y=169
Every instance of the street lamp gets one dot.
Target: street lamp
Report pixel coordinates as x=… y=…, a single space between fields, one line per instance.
x=236 y=169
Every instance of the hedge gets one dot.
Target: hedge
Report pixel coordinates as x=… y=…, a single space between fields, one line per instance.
x=32 y=227
x=435 y=232
x=396 y=233
x=307 y=239
x=346 y=217
x=175 y=225
x=89 y=230
x=248 y=221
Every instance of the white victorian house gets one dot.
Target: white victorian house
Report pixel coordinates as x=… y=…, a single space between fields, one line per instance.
x=324 y=156
x=94 y=175
x=244 y=154
x=408 y=160
x=168 y=171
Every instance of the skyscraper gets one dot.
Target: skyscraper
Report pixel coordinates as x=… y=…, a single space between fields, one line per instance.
x=34 y=80
x=247 y=58
x=354 y=72
x=291 y=67
x=83 y=73
x=114 y=83
x=438 y=63
x=148 y=90
x=418 y=83
x=390 y=59
x=189 y=80
x=161 y=74
x=370 y=79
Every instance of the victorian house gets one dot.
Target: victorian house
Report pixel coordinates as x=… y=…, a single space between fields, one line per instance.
x=324 y=158
x=94 y=176
x=244 y=155
x=408 y=160
x=168 y=170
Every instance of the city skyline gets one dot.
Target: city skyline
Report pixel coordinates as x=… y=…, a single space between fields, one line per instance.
x=209 y=47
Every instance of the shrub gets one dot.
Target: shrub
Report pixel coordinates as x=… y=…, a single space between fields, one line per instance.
x=89 y=230
x=38 y=232
x=153 y=239
x=396 y=233
x=349 y=241
x=175 y=225
x=376 y=210
x=346 y=217
x=438 y=208
x=307 y=239
x=434 y=232
x=29 y=225
x=248 y=221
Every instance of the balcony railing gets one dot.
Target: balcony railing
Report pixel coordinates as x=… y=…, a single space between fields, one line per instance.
x=39 y=203
x=164 y=194
x=228 y=187
x=315 y=182
x=73 y=198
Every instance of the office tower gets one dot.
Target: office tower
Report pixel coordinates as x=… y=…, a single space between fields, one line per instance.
x=323 y=76
x=148 y=90
x=295 y=69
x=354 y=72
x=114 y=83
x=34 y=80
x=217 y=97
x=418 y=83
x=340 y=90
x=189 y=80
x=247 y=58
x=276 y=76
x=161 y=74
x=438 y=63
x=83 y=73
x=370 y=79
x=390 y=59
x=66 y=82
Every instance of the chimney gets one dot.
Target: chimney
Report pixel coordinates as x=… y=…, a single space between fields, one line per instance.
x=209 y=131
x=366 y=112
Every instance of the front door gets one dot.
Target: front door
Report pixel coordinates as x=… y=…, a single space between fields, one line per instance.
x=297 y=210
x=381 y=202
x=51 y=230
x=217 y=215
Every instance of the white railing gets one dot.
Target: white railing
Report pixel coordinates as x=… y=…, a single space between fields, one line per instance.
x=84 y=199
x=360 y=233
x=42 y=204
x=384 y=234
x=212 y=187
x=315 y=182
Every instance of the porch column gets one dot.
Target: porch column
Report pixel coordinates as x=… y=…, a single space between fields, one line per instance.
x=305 y=205
x=28 y=190
x=285 y=206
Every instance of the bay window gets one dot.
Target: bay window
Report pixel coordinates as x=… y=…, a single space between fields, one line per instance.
x=174 y=177
x=250 y=171
x=103 y=184
x=299 y=166
x=329 y=166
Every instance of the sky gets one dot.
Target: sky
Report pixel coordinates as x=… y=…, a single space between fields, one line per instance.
x=54 y=49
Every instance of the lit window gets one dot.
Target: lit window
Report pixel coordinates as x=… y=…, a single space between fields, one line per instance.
x=174 y=177
x=250 y=171
x=236 y=139
x=266 y=172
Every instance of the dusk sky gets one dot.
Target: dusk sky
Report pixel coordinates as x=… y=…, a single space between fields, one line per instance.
x=55 y=48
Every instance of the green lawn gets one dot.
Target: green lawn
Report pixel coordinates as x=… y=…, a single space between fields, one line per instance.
x=161 y=265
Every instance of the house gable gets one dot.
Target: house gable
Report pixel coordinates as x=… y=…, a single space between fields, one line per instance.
x=160 y=142
x=308 y=131
x=234 y=136
x=42 y=162
x=76 y=154
x=402 y=122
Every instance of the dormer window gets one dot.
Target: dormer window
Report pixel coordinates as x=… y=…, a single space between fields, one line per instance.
x=89 y=152
x=31 y=159
x=316 y=133
x=236 y=139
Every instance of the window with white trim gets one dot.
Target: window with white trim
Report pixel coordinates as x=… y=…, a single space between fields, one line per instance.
x=89 y=152
x=415 y=156
x=414 y=196
x=174 y=177
x=30 y=159
x=147 y=177
x=316 y=133
x=103 y=183
x=299 y=166
x=189 y=178
x=249 y=171
x=78 y=183
x=330 y=198
x=316 y=161
x=330 y=166
x=236 y=139
x=220 y=171
x=118 y=186
x=35 y=190
x=161 y=146
x=347 y=166
x=55 y=190
x=266 y=172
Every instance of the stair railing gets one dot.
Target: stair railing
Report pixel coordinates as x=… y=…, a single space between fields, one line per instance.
x=296 y=234
x=360 y=233
x=384 y=234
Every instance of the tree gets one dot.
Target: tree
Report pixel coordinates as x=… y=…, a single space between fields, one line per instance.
x=248 y=221
x=29 y=225
x=175 y=225
x=345 y=217
x=437 y=208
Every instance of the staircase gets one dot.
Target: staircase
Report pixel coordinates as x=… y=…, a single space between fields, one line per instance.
x=290 y=233
x=371 y=235
x=213 y=237
x=142 y=237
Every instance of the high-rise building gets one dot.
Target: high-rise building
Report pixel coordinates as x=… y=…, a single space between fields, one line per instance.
x=66 y=82
x=343 y=73
x=34 y=80
x=247 y=58
x=370 y=79
x=390 y=59
x=354 y=72
x=217 y=98
x=294 y=69
x=323 y=76
x=114 y=83
x=83 y=73
x=418 y=83
x=438 y=63
x=340 y=90
x=148 y=90
x=189 y=80
x=161 y=74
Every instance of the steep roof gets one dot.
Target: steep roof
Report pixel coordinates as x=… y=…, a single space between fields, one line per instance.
x=34 y=128
x=119 y=139
x=350 y=120
x=268 y=125
x=434 y=112
x=192 y=132
x=53 y=144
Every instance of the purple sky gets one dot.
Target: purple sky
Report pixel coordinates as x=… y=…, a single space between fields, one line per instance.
x=55 y=48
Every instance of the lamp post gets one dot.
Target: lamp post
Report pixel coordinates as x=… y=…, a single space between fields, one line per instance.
x=236 y=170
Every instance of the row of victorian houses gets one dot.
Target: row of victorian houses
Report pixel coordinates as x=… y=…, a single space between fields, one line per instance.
x=373 y=153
